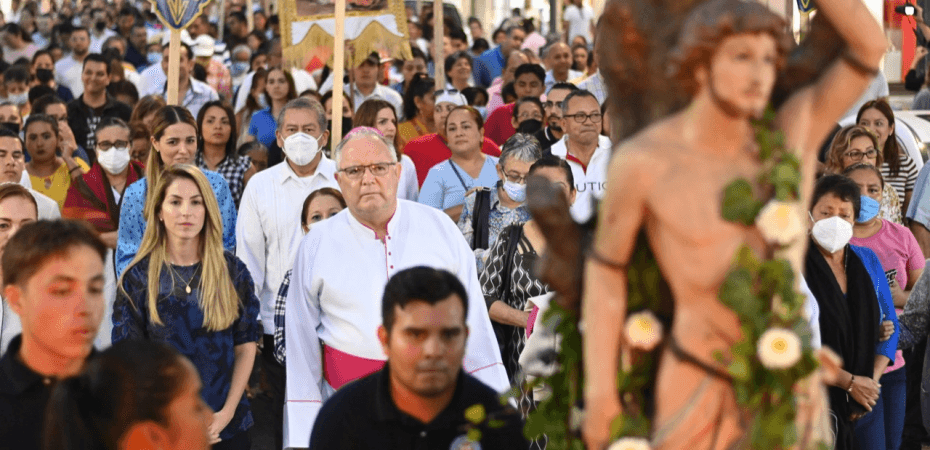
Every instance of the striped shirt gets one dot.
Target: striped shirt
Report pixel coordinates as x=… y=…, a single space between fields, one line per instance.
x=907 y=175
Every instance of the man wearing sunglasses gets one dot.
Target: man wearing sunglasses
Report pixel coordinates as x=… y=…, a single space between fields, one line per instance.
x=586 y=151
x=342 y=266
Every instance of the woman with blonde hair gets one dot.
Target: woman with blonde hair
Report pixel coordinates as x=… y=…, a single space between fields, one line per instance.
x=174 y=141
x=184 y=290
x=856 y=144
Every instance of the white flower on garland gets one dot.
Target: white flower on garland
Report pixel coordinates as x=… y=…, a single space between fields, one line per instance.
x=643 y=330
x=779 y=348
x=630 y=443
x=780 y=222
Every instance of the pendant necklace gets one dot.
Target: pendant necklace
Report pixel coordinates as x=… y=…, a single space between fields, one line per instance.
x=187 y=284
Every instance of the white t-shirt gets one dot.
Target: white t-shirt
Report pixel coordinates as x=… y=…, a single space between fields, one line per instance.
x=579 y=21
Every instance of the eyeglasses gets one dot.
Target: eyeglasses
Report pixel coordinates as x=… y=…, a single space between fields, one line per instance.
x=550 y=104
x=582 y=117
x=377 y=169
x=445 y=91
x=514 y=177
x=105 y=145
x=857 y=155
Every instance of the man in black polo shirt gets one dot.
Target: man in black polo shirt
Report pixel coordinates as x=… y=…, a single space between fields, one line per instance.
x=419 y=399
x=552 y=132
x=86 y=111
x=53 y=279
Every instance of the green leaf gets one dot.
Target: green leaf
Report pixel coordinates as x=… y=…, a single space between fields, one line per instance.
x=474 y=435
x=475 y=414
x=739 y=203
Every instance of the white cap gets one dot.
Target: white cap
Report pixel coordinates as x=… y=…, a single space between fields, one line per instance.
x=203 y=46
x=185 y=38
x=450 y=96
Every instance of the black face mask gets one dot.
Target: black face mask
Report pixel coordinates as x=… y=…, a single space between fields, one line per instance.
x=100 y=25
x=529 y=126
x=12 y=126
x=44 y=75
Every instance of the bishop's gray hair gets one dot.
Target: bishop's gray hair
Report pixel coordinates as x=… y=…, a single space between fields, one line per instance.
x=522 y=147
x=363 y=133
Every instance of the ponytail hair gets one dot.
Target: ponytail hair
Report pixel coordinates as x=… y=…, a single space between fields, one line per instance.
x=133 y=381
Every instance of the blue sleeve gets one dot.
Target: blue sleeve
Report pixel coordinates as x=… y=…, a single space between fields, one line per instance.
x=227 y=208
x=253 y=127
x=128 y=321
x=246 y=328
x=432 y=191
x=883 y=292
x=131 y=225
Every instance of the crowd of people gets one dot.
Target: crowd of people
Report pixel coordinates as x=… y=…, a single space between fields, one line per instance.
x=382 y=280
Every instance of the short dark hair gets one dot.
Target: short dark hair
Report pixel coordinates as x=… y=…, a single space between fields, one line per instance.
x=480 y=45
x=458 y=34
x=534 y=69
x=579 y=93
x=842 y=187
x=455 y=57
x=522 y=100
x=40 y=105
x=421 y=283
x=80 y=28
x=566 y=86
x=471 y=94
x=124 y=87
x=37 y=242
x=554 y=161
x=43 y=118
x=7 y=133
x=39 y=91
x=98 y=58
x=16 y=72
x=238 y=15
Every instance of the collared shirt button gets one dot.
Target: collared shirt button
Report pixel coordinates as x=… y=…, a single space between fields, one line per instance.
x=423 y=434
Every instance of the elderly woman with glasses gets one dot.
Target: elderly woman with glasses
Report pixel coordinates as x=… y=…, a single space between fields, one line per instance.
x=855 y=144
x=486 y=211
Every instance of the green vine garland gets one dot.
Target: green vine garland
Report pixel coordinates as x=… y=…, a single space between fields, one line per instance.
x=760 y=291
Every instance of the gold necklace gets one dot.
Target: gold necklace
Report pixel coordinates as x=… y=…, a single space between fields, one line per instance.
x=187 y=284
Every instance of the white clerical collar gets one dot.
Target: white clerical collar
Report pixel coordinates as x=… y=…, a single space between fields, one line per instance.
x=364 y=230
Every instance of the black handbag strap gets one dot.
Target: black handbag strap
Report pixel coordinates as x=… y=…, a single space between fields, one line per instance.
x=479 y=220
x=459 y=175
x=514 y=234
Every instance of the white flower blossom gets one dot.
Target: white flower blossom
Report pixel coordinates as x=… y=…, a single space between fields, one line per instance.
x=643 y=330
x=780 y=222
x=630 y=443
x=779 y=348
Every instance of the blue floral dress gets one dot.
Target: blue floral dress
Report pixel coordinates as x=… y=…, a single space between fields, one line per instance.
x=212 y=353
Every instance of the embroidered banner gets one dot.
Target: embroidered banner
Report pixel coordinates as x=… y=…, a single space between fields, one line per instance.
x=307 y=28
x=806 y=5
x=178 y=14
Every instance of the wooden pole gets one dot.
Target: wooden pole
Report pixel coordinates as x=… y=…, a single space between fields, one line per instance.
x=439 y=33
x=339 y=63
x=249 y=15
x=174 y=66
x=221 y=23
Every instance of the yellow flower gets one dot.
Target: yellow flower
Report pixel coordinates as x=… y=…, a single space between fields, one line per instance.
x=643 y=330
x=780 y=222
x=630 y=443
x=779 y=348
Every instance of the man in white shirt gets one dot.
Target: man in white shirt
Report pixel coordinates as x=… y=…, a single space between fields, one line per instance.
x=558 y=58
x=339 y=275
x=101 y=31
x=268 y=227
x=367 y=86
x=578 y=20
x=68 y=69
x=585 y=150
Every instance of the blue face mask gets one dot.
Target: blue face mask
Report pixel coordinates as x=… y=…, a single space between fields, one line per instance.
x=868 y=209
x=483 y=110
x=516 y=191
x=238 y=68
x=154 y=58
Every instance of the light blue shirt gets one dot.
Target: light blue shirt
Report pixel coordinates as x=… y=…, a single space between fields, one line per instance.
x=132 y=218
x=443 y=188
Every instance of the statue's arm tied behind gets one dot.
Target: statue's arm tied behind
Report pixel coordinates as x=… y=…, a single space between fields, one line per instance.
x=856 y=64
x=595 y=256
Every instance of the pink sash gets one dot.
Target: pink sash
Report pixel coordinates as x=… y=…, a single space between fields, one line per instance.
x=340 y=368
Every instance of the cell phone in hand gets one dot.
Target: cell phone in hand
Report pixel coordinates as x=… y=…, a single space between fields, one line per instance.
x=890 y=275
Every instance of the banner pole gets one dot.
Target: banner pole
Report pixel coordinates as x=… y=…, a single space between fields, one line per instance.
x=174 y=66
x=439 y=33
x=339 y=69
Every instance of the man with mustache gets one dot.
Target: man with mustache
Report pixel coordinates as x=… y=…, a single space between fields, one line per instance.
x=553 y=131
x=53 y=280
x=422 y=395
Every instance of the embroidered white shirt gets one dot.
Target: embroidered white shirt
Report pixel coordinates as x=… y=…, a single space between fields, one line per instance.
x=268 y=227
x=590 y=183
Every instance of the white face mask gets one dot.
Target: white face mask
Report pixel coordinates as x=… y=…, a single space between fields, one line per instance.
x=832 y=233
x=115 y=160
x=301 y=148
x=19 y=99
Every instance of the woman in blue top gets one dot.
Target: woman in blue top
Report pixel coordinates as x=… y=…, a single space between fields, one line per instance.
x=174 y=141
x=184 y=290
x=279 y=89
x=447 y=182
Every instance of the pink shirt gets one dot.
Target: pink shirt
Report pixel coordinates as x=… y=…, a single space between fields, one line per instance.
x=897 y=249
